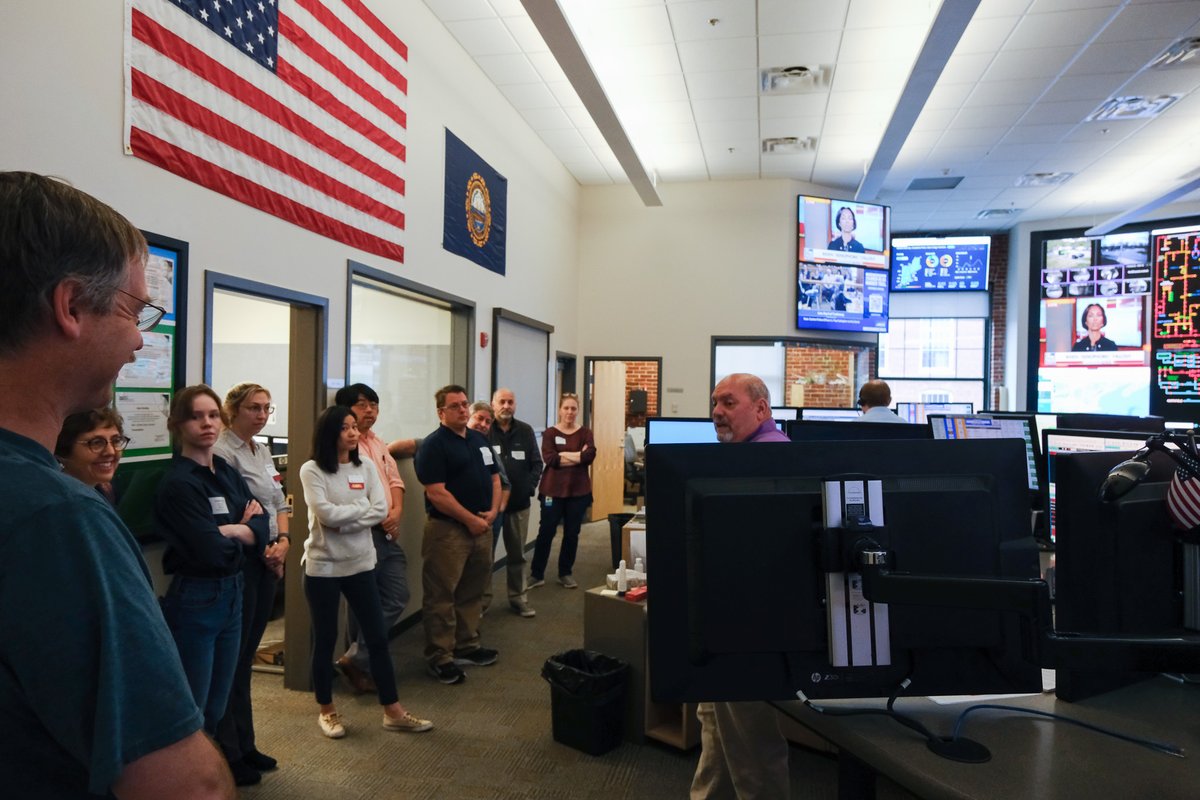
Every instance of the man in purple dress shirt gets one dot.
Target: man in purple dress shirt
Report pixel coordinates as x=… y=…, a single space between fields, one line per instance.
x=743 y=752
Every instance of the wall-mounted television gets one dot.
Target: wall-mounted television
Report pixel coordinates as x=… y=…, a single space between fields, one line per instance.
x=845 y=232
x=839 y=298
x=941 y=264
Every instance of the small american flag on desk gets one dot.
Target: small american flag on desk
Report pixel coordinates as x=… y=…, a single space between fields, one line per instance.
x=1183 y=495
x=295 y=107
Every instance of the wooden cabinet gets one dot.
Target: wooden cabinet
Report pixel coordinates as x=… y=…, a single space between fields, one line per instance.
x=617 y=628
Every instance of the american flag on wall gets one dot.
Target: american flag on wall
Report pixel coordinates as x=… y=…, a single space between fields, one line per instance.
x=1183 y=495
x=295 y=107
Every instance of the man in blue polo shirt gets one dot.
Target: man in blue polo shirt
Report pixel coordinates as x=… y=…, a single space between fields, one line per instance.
x=93 y=699
x=457 y=467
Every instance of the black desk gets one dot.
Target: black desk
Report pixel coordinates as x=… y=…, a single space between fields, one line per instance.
x=1032 y=757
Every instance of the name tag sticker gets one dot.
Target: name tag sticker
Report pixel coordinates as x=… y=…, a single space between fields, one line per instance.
x=488 y=460
x=518 y=455
x=219 y=506
x=560 y=440
x=356 y=481
x=273 y=473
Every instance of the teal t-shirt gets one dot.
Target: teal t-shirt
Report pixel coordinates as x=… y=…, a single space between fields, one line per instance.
x=90 y=679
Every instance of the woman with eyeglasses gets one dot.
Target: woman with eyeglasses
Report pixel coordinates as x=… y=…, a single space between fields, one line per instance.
x=206 y=514
x=568 y=449
x=248 y=408
x=89 y=447
x=346 y=498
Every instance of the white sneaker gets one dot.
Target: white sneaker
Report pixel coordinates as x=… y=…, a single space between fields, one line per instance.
x=331 y=725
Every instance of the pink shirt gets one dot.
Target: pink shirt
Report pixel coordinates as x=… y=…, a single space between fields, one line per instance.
x=375 y=449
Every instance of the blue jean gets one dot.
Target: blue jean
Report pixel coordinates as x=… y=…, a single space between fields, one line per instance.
x=391 y=578
x=570 y=511
x=363 y=598
x=205 y=617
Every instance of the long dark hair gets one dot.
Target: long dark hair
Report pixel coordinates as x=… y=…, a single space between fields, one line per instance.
x=325 y=438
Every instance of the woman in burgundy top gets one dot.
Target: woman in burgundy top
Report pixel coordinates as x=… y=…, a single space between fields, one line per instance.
x=565 y=491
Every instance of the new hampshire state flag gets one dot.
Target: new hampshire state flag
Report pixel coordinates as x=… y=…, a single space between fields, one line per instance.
x=476 y=213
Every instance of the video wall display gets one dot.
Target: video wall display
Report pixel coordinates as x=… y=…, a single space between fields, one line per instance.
x=940 y=264
x=842 y=257
x=1119 y=322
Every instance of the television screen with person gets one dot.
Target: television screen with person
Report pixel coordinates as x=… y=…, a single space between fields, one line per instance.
x=841 y=298
x=940 y=264
x=740 y=609
x=846 y=232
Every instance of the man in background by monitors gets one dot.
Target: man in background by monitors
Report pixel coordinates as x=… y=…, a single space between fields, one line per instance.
x=874 y=398
x=743 y=752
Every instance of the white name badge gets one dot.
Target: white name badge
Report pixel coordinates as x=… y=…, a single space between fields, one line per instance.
x=560 y=440
x=219 y=506
x=518 y=455
x=487 y=455
x=356 y=481
x=273 y=473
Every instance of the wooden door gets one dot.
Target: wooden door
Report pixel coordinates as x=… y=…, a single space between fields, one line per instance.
x=608 y=429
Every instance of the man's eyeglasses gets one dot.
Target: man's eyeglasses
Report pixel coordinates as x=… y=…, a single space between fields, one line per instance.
x=463 y=406
x=97 y=444
x=149 y=316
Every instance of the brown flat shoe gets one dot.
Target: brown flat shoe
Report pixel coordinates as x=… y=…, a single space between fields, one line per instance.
x=360 y=681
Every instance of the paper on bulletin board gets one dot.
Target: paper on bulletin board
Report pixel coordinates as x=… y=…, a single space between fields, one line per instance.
x=160 y=279
x=152 y=369
x=145 y=418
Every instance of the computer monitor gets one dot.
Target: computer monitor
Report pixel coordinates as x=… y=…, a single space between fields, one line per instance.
x=993 y=426
x=807 y=430
x=1111 y=422
x=784 y=413
x=1118 y=566
x=1056 y=441
x=739 y=608
x=917 y=412
x=829 y=414
x=680 y=430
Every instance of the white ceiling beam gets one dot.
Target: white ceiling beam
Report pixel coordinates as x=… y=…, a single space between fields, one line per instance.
x=548 y=18
x=1112 y=224
x=944 y=34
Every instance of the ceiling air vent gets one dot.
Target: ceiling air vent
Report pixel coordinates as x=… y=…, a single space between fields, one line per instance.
x=1044 y=178
x=932 y=184
x=998 y=213
x=1183 y=53
x=795 y=80
x=790 y=144
x=1132 y=107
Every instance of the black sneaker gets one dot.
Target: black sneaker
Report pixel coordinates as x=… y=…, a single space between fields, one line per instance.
x=447 y=673
x=259 y=761
x=479 y=657
x=244 y=774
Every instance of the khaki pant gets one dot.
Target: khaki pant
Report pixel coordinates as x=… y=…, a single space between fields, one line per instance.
x=457 y=567
x=743 y=753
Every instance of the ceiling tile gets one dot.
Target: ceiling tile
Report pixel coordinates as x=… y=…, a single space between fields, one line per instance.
x=635 y=25
x=1093 y=88
x=793 y=105
x=1017 y=92
x=1056 y=29
x=801 y=16
x=568 y=138
x=795 y=49
x=1043 y=62
x=646 y=59
x=1047 y=113
x=456 y=10
x=864 y=76
x=718 y=55
x=547 y=67
x=986 y=34
x=526 y=34
x=508 y=68
x=865 y=14
x=692 y=21
x=1152 y=21
x=529 y=95
x=708 y=85
x=544 y=119
x=726 y=109
x=888 y=45
x=728 y=131
x=483 y=37
x=1037 y=134
x=966 y=68
x=564 y=93
x=507 y=8
x=791 y=126
x=775 y=165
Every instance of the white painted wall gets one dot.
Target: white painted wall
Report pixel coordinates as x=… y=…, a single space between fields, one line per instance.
x=62 y=97
x=715 y=259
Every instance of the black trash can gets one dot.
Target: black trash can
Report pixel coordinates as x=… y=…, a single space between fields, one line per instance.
x=587 y=699
x=615 y=523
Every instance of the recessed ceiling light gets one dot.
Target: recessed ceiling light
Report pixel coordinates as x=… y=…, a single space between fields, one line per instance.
x=795 y=80
x=789 y=144
x=1183 y=53
x=1044 y=178
x=1132 y=107
x=993 y=213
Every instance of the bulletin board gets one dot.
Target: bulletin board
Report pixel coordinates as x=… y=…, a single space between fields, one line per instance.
x=144 y=389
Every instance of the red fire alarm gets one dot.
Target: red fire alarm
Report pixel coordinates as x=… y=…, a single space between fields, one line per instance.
x=483 y=338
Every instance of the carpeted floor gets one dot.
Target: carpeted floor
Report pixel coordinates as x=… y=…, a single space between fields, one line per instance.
x=492 y=736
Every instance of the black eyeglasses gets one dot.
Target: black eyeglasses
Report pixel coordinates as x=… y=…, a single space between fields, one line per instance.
x=98 y=443
x=463 y=406
x=149 y=316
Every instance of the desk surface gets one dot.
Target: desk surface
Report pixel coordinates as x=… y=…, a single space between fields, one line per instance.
x=1032 y=757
